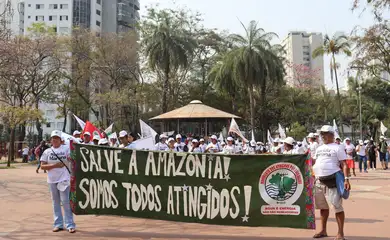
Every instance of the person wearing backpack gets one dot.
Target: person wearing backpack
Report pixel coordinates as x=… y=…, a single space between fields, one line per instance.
x=382 y=148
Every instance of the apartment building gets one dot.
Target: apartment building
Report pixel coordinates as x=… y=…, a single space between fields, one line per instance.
x=301 y=67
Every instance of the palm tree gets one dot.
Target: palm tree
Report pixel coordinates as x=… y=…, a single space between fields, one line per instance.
x=252 y=62
x=167 y=49
x=336 y=45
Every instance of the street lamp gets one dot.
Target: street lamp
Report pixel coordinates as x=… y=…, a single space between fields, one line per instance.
x=359 y=89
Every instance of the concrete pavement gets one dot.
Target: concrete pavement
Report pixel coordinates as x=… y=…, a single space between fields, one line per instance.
x=26 y=213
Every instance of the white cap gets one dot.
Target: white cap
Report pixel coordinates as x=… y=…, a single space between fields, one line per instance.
x=194 y=140
x=223 y=143
x=311 y=135
x=361 y=142
x=289 y=140
x=253 y=143
x=96 y=137
x=327 y=128
x=56 y=133
x=366 y=141
x=229 y=139
x=316 y=134
x=171 y=139
x=276 y=140
x=76 y=133
x=214 y=137
x=347 y=139
x=163 y=136
x=122 y=133
x=87 y=134
x=338 y=138
x=178 y=136
x=382 y=137
x=299 y=143
x=201 y=140
x=103 y=141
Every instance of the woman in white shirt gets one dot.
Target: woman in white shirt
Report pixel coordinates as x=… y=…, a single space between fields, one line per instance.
x=230 y=148
x=349 y=149
x=195 y=146
x=288 y=145
x=53 y=160
x=214 y=146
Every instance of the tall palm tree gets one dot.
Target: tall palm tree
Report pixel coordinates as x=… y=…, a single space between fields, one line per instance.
x=167 y=49
x=337 y=45
x=252 y=63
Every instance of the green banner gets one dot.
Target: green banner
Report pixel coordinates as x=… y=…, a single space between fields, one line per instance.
x=240 y=190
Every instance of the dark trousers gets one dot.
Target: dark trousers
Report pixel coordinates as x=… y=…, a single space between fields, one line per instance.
x=372 y=162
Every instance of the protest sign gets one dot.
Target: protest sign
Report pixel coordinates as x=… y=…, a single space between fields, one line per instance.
x=240 y=190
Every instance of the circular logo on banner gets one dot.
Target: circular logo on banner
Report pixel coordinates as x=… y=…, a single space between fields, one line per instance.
x=281 y=183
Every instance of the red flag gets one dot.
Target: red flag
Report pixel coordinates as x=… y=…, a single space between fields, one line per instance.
x=89 y=127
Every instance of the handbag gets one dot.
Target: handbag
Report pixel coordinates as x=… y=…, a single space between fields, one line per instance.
x=329 y=181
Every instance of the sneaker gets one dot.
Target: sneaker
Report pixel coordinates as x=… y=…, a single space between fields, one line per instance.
x=366 y=171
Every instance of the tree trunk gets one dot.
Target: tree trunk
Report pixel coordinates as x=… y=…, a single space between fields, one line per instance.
x=11 y=150
x=165 y=87
x=38 y=124
x=251 y=106
x=338 y=96
x=264 y=125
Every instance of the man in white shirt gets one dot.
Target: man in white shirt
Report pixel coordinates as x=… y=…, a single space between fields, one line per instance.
x=361 y=152
x=87 y=139
x=179 y=145
x=329 y=157
x=202 y=145
x=289 y=145
x=313 y=144
x=214 y=146
x=162 y=145
x=25 y=154
x=349 y=150
x=76 y=135
x=230 y=148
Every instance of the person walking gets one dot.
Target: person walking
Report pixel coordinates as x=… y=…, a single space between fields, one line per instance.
x=54 y=160
x=361 y=151
x=372 y=154
x=329 y=156
x=382 y=149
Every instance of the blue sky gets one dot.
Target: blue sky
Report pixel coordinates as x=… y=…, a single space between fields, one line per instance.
x=279 y=16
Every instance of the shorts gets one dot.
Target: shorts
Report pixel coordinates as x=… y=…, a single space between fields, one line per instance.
x=325 y=197
x=350 y=163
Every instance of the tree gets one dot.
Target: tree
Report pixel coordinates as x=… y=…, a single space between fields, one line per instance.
x=336 y=45
x=302 y=75
x=378 y=6
x=252 y=63
x=297 y=131
x=168 y=46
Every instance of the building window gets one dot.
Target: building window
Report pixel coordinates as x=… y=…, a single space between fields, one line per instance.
x=49 y=113
x=98 y=1
x=53 y=6
x=29 y=17
x=55 y=29
x=97 y=23
x=48 y=125
x=64 y=18
x=63 y=6
x=98 y=12
x=29 y=5
x=39 y=18
x=52 y=18
x=39 y=6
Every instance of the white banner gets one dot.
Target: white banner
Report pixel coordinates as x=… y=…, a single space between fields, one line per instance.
x=383 y=128
x=282 y=133
x=80 y=122
x=235 y=129
x=147 y=131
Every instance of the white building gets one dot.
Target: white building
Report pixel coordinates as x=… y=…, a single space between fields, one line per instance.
x=301 y=67
x=63 y=16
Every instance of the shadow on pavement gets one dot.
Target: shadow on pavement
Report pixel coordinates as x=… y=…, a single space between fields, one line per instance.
x=355 y=220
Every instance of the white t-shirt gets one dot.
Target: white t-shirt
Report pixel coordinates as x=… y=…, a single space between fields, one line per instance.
x=289 y=151
x=161 y=146
x=328 y=158
x=196 y=150
x=214 y=148
x=313 y=148
x=349 y=150
x=179 y=146
x=361 y=149
x=229 y=149
x=274 y=149
x=56 y=175
x=25 y=151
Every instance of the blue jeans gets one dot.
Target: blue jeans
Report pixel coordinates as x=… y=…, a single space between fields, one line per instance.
x=362 y=159
x=57 y=197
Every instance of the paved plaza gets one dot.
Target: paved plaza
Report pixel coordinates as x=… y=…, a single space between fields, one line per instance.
x=26 y=213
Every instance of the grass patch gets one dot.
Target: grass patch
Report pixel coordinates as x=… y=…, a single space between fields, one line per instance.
x=5 y=167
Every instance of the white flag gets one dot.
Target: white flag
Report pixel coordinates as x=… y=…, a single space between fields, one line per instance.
x=147 y=131
x=220 y=138
x=336 y=130
x=235 y=129
x=305 y=143
x=169 y=133
x=147 y=143
x=80 y=122
x=270 y=139
x=282 y=133
x=383 y=128
x=108 y=131
x=253 y=136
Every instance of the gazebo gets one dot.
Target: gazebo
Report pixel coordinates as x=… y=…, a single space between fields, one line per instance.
x=195 y=117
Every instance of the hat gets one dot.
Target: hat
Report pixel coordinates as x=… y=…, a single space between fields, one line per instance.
x=366 y=141
x=56 y=133
x=361 y=142
x=195 y=140
x=229 y=139
x=347 y=139
x=87 y=134
x=201 y=140
x=163 y=136
x=311 y=135
x=103 y=141
x=96 y=137
x=122 y=134
x=76 y=133
x=253 y=143
x=338 y=138
x=289 y=140
x=171 y=139
x=178 y=136
x=223 y=143
x=276 y=140
x=382 y=137
x=316 y=134
x=214 y=137
x=327 y=128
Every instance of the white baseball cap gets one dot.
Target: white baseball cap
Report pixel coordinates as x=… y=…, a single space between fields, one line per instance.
x=361 y=142
x=76 y=132
x=195 y=141
x=277 y=140
x=178 y=136
x=103 y=141
x=223 y=143
x=382 y=137
x=366 y=141
x=253 y=143
x=316 y=135
x=87 y=134
x=170 y=139
x=56 y=133
x=201 y=140
x=338 y=138
x=96 y=137
x=327 y=128
x=289 y=140
x=122 y=134
x=214 y=137
x=163 y=136
x=347 y=139
x=229 y=139
x=311 y=135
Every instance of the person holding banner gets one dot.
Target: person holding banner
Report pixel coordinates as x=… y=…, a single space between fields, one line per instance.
x=126 y=139
x=162 y=145
x=195 y=146
x=171 y=145
x=230 y=148
x=87 y=138
x=202 y=145
x=55 y=160
x=329 y=157
x=214 y=146
x=179 y=145
x=289 y=145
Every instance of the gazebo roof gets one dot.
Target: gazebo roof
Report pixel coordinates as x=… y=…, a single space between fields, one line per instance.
x=196 y=109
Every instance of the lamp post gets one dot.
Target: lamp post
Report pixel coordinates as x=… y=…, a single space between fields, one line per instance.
x=359 y=89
